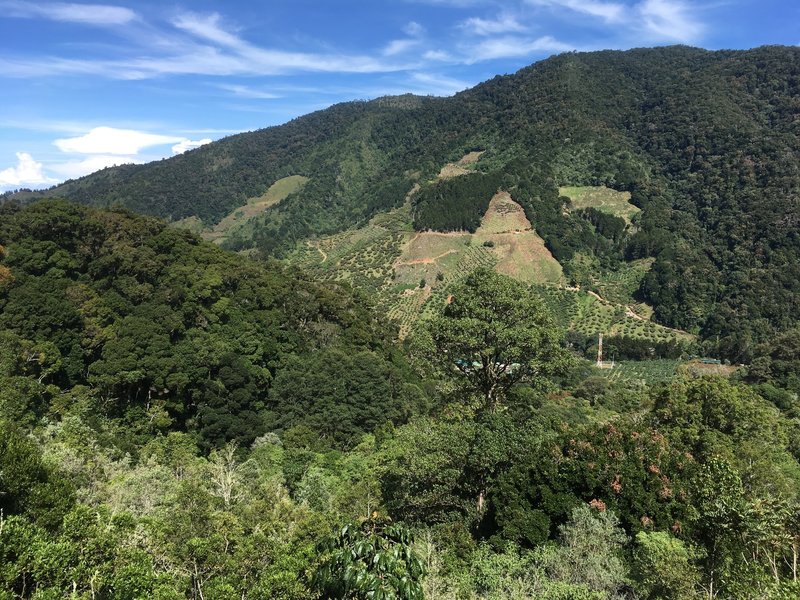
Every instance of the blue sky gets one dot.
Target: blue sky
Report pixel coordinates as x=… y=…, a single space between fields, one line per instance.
x=87 y=85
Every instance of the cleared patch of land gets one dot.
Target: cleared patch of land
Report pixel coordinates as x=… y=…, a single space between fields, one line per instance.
x=279 y=191
x=524 y=256
x=602 y=198
x=504 y=216
x=237 y=219
x=520 y=252
x=461 y=166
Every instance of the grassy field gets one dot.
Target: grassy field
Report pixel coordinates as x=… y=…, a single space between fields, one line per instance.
x=460 y=167
x=279 y=190
x=602 y=198
x=239 y=218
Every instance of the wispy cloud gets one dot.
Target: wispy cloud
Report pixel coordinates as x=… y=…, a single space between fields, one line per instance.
x=88 y=14
x=670 y=20
x=244 y=91
x=503 y=24
x=438 y=85
x=648 y=20
x=396 y=47
x=415 y=31
x=247 y=58
x=438 y=55
x=204 y=46
x=27 y=172
x=454 y=3
x=208 y=27
x=511 y=46
x=611 y=12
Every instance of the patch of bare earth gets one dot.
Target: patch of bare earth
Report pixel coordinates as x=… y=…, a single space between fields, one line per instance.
x=504 y=216
x=521 y=252
x=459 y=167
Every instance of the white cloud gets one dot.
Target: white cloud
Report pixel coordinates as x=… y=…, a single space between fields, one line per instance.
x=100 y=148
x=611 y=12
x=27 y=172
x=248 y=92
x=109 y=140
x=185 y=145
x=504 y=24
x=669 y=20
x=88 y=14
x=511 y=46
x=72 y=169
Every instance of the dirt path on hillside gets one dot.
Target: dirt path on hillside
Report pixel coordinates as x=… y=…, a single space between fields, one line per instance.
x=630 y=313
x=318 y=249
x=426 y=261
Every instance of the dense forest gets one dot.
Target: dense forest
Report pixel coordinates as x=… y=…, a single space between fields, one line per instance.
x=177 y=421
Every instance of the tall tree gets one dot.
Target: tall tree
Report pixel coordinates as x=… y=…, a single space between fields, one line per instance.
x=497 y=334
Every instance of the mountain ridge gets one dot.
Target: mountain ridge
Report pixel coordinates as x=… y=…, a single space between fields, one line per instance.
x=703 y=140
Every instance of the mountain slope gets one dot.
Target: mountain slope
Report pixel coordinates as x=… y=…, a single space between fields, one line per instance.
x=705 y=142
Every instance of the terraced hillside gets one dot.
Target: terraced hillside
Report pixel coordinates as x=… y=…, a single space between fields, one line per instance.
x=411 y=272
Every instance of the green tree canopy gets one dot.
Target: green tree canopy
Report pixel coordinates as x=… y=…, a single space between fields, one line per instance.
x=497 y=334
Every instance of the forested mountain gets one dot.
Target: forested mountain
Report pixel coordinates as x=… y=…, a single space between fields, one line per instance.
x=706 y=142
x=172 y=333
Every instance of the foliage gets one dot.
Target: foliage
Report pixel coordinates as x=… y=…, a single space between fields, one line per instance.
x=169 y=331
x=589 y=554
x=497 y=334
x=664 y=566
x=455 y=204
x=373 y=559
x=703 y=142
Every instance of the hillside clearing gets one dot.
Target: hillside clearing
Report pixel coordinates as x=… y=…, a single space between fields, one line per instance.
x=602 y=198
x=461 y=166
x=237 y=219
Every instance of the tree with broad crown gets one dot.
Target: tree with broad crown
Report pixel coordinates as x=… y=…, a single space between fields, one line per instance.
x=497 y=334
